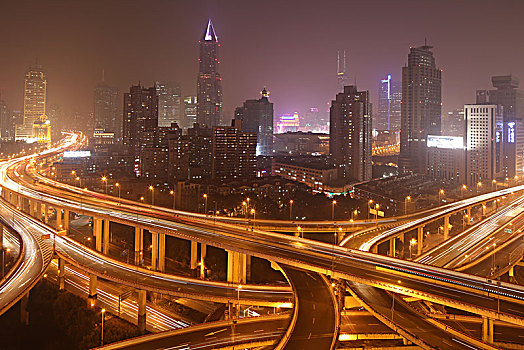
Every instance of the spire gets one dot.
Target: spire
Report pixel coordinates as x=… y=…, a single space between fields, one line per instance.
x=209 y=33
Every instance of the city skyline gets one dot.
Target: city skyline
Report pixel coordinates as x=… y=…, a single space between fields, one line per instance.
x=298 y=44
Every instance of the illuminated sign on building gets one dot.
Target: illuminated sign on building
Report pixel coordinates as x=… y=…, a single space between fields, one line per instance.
x=452 y=142
x=511 y=132
x=77 y=154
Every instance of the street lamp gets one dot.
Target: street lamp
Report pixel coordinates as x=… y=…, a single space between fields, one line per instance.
x=408 y=198
x=152 y=189
x=333 y=210
x=290 y=209
x=376 y=213
x=494 y=185
x=440 y=194
x=412 y=242
x=299 y=233
x=369 y=208
x=253 y=213
x=104 y=179
x=479 y=184
x=118 y=186
x=353 y=215
x=79 y=181
x=247 y=200
x=174 y=198
x=205 y=205
x=464 y=187
x=102 y=333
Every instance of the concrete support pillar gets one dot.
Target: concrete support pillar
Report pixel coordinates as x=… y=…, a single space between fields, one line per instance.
x=66 y=220
x=24 y=313
x=161 y=252
x=61 y=274
x=236 y=267
x=45 y=213
x=194 y=256
x=105 y=237
x=32 y=208
x=154 y=250
x=1 y=236
x=374 y=249
x=484 y=209
x=511 y=274
x=203 y=253
x=38 y=211
x=91 y=298
x=420 y=239
x=468 y=213
x=59 y=219
x=487 y=330
x=446 y=227
x=142 y=311
x=392 y=247
x=139 y=245
x=97 y=232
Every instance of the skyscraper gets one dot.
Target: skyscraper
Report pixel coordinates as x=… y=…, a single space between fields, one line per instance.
x=483 y=143
x=35 y=89
x=342 y=77
x=6 y=122
x=389 y=98
x=140 y=120
x=209 y=83
x=106 y=109
x=169 y=102
x=511 y=99
x=421 y=108
x=190 y=112
x=257 y=117
x=350 y=134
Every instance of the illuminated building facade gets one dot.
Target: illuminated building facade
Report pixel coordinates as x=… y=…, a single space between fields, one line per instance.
x=42 y=130
x=35 y=90
x=342 y=77
x=389 y=102
x=350 y=137
x=446 y=158
x=421 y=108
x=107 y=111
x=288 y=123
x=190 y=112
x=209 y=83
x=483 y=143
x=169 y=103
x=257 y=117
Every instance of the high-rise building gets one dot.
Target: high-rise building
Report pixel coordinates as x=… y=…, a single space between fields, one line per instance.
x=107 y=114
x=35 y=90
x=257 y=117
x=169 y=103
x=453 y=123
x=140 y=119
x=190 y=112
x=389 y=98
x=154 y=160
x=483 y=143
x=421 y=108
x=511 y=99
x=234 y=152
x=209 y=83
x=7 y=125
x=350 y=138
x=342 y=77
x=446 y=158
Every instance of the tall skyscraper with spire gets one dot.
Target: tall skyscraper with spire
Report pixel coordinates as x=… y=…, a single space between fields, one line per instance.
x=421 y=108
x=342 y=77
x=35 y=90
x=209 y=84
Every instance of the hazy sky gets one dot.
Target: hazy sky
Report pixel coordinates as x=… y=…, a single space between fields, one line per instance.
x=288 y=46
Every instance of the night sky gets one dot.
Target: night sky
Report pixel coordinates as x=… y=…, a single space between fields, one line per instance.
x=288 y=46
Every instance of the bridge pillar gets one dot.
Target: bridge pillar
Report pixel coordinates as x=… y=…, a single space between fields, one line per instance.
x=105 y=237
x=161 y=252
x=61 y=274
x=203 y=253
x=45 y=213
x=484 y=210
x=420 y=239
x=38 y=215
x=139 y=244
x=1 y=236
x=374 y=249
x=446 y=227
x=24 y=313
x=142 y=311
x=392 y=247
x=511 y=274
x=154 y=250
x=194 y=255
x=487 y=330
x=236 y=267
x=58 y=219
x=91 y=298
x=468 y=213
x=97 y=232
x=66 y=221
x=32 y=208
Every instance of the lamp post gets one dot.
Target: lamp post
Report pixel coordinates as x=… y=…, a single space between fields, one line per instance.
x=290 y=210
x=79 y=181
x=376 y=213
x=479 y=184
x=408 y=198
x=247 y=201
x=152 y=189
x=440 y=194
x=299 y=233
x=205 y=204
x=369 y=207
x=462 y=189
x=253 y=213
x=118 y=186
x=104 y=179
x=102 y=333
x=354 y=215
x=412 y=242
x=174 y=198
x=333 y=210
x=494 y=185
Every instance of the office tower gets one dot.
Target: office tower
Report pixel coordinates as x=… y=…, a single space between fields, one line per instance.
x=446 y=158
x=6 y=122
x=511 y=99
x=342 y=77
x=389 y=98
x=421 y=108
x=350 y=134
x=257 y=117
x=396 y=105
x=154 y=161
x=234 y=152
x=453 y=123
x=35 y=89
x=190 y=111
x=107 y=114
x=169 y=102
x=483 y=143
x=140 y=120
x=209 y=83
